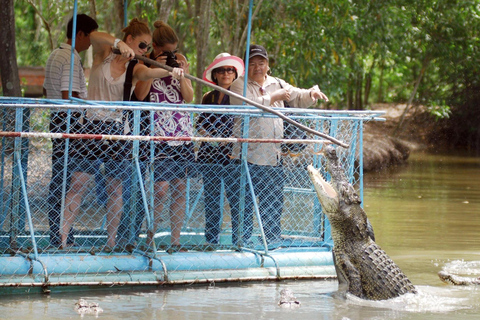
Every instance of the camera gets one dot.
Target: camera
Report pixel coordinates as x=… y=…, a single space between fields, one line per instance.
x=171 y=59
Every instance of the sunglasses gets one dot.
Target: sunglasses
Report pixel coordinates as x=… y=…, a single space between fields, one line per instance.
x=225 y=70
x=143 y=45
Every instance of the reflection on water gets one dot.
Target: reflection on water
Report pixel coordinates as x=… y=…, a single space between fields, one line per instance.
x=426 y=216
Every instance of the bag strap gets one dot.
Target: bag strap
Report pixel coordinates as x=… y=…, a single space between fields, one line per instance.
x=279 y=82
x=285 y=103
x=127 y=89
x=127 y=86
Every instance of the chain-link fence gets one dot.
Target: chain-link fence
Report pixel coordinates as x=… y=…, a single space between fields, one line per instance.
x=149 y=194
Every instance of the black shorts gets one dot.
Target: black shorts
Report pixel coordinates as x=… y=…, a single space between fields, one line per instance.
x=106 y=150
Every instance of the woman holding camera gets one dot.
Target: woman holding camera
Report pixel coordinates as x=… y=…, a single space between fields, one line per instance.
x=173 y=159
x=107 y=81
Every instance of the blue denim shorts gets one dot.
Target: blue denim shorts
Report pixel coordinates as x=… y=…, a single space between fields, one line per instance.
x=174 y=162
x=169 y=169
x=113 y=169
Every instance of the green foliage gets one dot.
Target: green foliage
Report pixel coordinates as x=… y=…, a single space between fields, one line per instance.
x=440 y=111
x=358 y=52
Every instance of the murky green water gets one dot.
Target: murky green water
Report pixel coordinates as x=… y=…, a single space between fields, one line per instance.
x=426 y=216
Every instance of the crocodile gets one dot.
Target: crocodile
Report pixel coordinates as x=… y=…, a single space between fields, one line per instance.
x=363 y=268
x=458 y=280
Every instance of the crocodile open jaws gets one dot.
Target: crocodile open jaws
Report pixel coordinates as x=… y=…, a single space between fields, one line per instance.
x=363 y=268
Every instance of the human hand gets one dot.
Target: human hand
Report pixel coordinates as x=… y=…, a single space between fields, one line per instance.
x=161 y=59
x=280 y=95
x=178 y=73
x=125 y=50
x=184 y=65
x=316 y=94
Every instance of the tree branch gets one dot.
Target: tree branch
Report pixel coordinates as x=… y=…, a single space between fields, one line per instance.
x=45 y=23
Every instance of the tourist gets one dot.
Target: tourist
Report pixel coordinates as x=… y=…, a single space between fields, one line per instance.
x=264 y=159
x=217 y=164
x=173 y=159
x=56 y=86
x=107 y=83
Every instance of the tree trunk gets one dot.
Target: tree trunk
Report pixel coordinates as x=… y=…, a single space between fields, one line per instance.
x=350 y=92
x=119 y=23
x=425 y=63
x=164 y=8
x=380 y=82
x=242 y=42
x=8 y=62
x=358 y=91
x=202 y=21
x=93 y=9
x=368 y=84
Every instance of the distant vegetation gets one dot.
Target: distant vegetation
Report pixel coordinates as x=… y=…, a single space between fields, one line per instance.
x=359 y=52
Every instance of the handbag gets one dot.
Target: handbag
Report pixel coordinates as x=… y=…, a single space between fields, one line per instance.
x=291 y=131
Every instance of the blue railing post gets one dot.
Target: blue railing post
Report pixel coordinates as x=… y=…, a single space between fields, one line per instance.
x=17 y=222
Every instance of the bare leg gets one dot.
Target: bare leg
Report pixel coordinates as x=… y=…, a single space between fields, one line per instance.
x=161 y=191
x=177 y=209
x=73 y=200
x=114 y=209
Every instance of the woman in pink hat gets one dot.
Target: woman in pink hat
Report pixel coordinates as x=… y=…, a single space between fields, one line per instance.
x=215 y=158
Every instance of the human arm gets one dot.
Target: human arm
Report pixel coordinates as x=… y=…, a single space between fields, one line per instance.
x=65 y=95
x=279 y=95
x=187 y=89
x=302 y=98
x=102 y=44
x=202 y=123
x=142 y=73
x=142 y=88
x=253 y=92
x=316 y=94
x=185 y=84
x=266 y=97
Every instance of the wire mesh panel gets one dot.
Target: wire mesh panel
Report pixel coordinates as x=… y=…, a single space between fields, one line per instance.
x=162 y=194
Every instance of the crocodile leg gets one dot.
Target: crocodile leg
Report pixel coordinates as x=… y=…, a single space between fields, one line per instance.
x=350 y=274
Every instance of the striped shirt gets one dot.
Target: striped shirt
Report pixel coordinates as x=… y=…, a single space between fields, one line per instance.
x=57 y=73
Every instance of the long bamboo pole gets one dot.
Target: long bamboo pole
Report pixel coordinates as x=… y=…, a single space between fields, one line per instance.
x=248 y=101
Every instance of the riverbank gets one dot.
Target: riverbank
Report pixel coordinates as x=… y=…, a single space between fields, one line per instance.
x=386 y=144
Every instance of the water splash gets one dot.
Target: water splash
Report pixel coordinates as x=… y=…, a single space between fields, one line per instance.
x=461 y=267
x=428 y=299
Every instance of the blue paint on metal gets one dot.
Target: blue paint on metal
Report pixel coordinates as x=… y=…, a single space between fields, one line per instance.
x=191 y=265
x=74 y=36
x=360 y=160
x=3 y=204
x=86 y=264
x=27 y=207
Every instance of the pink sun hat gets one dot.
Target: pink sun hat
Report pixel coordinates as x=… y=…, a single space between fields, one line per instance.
x=224 y=59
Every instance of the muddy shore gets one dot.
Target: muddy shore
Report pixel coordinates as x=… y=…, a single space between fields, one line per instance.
x=386 y=144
